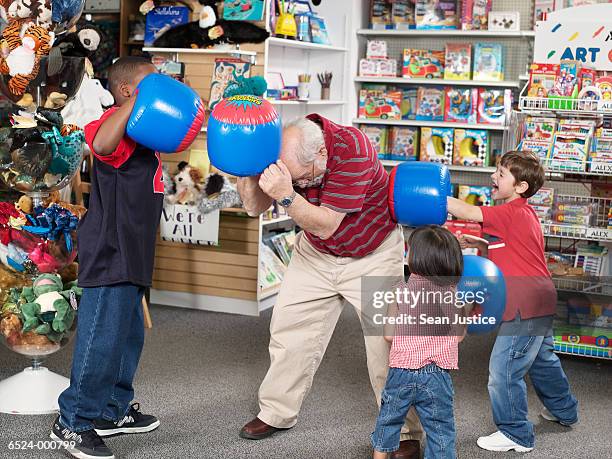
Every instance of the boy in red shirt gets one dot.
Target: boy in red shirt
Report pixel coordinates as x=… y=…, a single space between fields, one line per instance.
x=524 y=344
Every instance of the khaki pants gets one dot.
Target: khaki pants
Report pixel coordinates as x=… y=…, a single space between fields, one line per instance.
x=305 y=315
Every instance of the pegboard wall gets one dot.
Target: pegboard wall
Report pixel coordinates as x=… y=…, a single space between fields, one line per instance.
x=102 y=6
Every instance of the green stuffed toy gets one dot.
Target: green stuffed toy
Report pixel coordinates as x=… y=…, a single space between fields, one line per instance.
x=47 y=310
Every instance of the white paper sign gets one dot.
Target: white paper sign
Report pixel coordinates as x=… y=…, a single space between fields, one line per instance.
x=187 y=225
x=582 y=33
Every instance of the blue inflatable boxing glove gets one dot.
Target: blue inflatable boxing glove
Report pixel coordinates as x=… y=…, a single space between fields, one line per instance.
x=244 y=135
x=417 y=193
x=167 y=115
x=484 y=283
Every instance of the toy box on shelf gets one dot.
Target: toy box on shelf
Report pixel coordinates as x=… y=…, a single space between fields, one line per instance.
x=488 y=62
x=436 y=14
x=460 y=105
x=474 y=14
x=430 y=104
x=378 y=136
x=542 y=203
x=376 y=62
x=494 y=105
x=380 y=104
x=471 y=147
x=458 y=61
x=409 y=103
x=437 y=145
x=475 y=195
x=420 y=63
x=403 y=143
x=395 y=14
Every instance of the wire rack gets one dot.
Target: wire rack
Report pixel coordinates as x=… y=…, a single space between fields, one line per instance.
x=597 y=230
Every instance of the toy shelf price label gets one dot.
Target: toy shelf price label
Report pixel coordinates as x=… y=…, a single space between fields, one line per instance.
x=599 y=233
x=186 y=224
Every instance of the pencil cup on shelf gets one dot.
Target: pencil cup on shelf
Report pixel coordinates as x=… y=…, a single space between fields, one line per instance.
x=303 y=87
x=325 y=80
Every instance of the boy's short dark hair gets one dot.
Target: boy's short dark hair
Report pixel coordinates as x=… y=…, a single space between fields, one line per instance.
x=525 y=167
x=434 y=253
x=123 y=70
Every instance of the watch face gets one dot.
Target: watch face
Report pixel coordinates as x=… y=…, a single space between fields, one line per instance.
x=285 y=202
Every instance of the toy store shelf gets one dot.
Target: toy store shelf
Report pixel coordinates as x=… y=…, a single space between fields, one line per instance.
x=445 y=33
x=199 y=51
x=563 y=347
x=584 y=340
x=593 y=168
x=484 y=170
x=268 y=292
x=284 y=218
x=284 y=43
x=587 y=285
x=438 y=81
x=307 y=102
x=580 y=233
x=388 y=122
x=579 y=107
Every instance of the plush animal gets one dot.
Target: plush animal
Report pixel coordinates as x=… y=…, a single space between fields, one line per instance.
x=218 y=193
x=26 y=48
x=47 y=310
x=209 y=30
x=24 y=204
x=88 y=104
x=84 y=42
x=187 y=185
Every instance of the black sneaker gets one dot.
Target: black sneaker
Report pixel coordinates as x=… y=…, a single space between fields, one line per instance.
x=133 y=422
x=83 y=445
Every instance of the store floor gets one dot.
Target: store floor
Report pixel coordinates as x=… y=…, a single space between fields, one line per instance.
x=200 y=373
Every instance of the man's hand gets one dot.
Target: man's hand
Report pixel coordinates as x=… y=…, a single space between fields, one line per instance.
x=276 y=181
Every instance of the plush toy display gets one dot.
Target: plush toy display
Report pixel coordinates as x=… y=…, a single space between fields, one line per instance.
x=88 y=104
x=187 y=185
x=209 y=30
x=83 y=42
x=218 y=193
x=26 y=46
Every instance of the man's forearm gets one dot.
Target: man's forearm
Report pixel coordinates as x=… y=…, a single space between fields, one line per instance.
x=254 y=200
x=463 y=210
x=313 y=219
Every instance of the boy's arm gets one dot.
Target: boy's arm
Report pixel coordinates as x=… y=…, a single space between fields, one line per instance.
x=463 y=210
x=112 y=129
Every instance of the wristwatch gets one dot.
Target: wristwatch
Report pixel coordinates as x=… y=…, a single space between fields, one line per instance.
x=286 y=202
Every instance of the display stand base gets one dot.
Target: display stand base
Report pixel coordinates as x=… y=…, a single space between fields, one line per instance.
x=33 y=391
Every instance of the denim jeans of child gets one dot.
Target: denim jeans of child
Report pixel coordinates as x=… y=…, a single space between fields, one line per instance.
x=109 y=341
x=514 y=357
x=430 y=391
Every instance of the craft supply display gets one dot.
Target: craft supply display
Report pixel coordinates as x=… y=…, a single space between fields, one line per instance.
x=42 y=68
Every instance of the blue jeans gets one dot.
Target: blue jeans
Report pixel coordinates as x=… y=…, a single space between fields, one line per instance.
x=512 y=358
x=430 y=391
x=109 y=341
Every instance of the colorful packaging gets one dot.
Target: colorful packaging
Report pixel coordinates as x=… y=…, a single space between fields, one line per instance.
x=419 y=63
x=569 y=151
x=226 y=71
x=460 y=105
x=542 y=203
x=601 y=156
x=604 y=84
x=376 y=49
x=542 y=79
x=471 y=147
x=494 y=105
x=378 y=67
x=436 y=145
x=378 y=136
x=402 y=14
x=586 y=78
x=162 y=19
x=380 y=104
x=430 y=104
x=403 y=143
x=380 y=14
x=542 y=8
x=458 y=61
x=488 y=62
x=436 y=14
x=475 y=195
x=537 y=136
x=566 y=85
x=409 y=103
x=474 y=14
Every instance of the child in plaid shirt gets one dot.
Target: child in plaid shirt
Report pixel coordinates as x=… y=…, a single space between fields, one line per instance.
x=424 y=347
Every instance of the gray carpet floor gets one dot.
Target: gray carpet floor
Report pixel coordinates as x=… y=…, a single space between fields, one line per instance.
x=200 y=373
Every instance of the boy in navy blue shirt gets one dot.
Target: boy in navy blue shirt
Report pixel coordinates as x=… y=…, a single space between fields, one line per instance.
x=116 y=241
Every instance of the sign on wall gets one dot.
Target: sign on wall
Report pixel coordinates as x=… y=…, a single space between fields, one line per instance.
x=583 y=33
x=187 y=225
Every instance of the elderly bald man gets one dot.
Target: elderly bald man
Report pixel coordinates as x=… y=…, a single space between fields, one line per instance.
x=334 y=187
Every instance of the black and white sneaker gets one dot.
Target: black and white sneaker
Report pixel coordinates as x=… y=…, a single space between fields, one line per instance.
x=133 y=422
x=83 y=445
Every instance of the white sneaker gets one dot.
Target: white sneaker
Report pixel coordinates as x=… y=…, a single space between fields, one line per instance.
x=548 y=415
x=499 y=442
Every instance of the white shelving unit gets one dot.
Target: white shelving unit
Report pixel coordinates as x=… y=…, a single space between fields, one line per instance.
x=439 y=82
x=284 y=43
x=388 y=122
x=445 y=33
x=482 y=170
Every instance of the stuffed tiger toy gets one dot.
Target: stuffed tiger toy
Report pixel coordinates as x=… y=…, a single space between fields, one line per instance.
x=35 y=43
